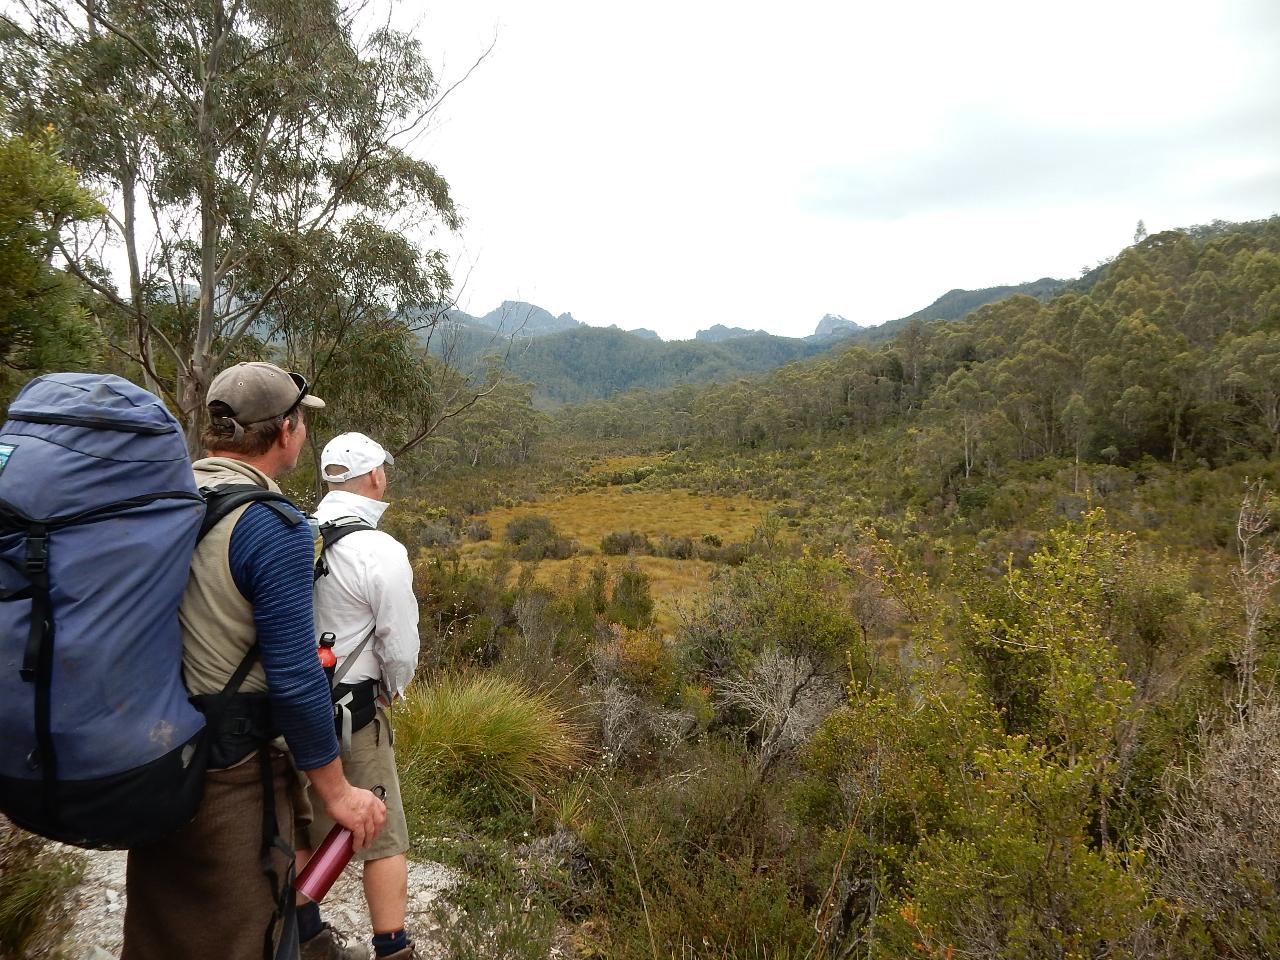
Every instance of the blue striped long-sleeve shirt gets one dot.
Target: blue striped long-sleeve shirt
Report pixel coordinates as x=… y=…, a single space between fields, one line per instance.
x=272 y=563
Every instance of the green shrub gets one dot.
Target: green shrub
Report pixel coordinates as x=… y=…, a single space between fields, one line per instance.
x=495 y=924
x=35 y=886
x=464 y=610
x=675 y=548
x=529 y=527
x=535 y=538
x=631 y=603
x=697 y=866
x=621 y=542
x=483 y=739
x=435 y=533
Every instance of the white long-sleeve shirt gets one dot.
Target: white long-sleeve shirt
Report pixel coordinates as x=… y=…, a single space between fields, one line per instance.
x=370 y=582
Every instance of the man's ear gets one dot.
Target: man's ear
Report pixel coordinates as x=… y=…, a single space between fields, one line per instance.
x=287 y=429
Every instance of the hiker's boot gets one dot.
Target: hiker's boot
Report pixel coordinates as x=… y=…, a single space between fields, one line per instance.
x=329 y=944
x=406 y=954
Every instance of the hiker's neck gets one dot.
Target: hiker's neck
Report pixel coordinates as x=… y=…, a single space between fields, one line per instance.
x=271 y=463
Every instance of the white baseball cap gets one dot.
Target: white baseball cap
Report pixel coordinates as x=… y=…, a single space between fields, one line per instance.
x=354 y=451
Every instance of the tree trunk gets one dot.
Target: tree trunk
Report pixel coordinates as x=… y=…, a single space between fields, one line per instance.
x=128 y=190
x=195 y=381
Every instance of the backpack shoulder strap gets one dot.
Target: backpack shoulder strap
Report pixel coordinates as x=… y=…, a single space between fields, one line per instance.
x=331 y=531
x=221 y=501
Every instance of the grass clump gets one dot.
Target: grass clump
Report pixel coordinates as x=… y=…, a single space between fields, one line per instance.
x=536 y=538
x=483 y=739
x=35 y=886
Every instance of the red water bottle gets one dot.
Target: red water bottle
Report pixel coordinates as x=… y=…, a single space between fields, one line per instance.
x=328 y=659
x=329 y=860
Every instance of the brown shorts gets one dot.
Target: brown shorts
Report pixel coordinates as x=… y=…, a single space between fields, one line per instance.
x=369 y=762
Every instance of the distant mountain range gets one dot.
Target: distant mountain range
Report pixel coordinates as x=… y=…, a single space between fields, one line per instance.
x=516 y=318
x=569 y=361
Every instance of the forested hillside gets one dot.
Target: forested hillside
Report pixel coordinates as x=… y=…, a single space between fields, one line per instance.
x=569 y=362
x=1173 y=354
x=962 y=646
x=587 y=363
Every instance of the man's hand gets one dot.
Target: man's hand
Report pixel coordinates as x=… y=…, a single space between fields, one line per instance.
x=360 y=812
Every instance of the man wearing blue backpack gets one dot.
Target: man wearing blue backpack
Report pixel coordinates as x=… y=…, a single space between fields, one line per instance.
x=219 y=887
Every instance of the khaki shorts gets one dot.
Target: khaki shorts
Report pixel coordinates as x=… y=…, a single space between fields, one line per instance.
x=369 y=761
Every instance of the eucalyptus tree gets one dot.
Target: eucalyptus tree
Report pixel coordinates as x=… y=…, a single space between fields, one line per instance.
x=256 y=162
x=43 y=324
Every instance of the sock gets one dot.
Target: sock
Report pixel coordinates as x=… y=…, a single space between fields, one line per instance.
x=309 y=922
x=385 y=944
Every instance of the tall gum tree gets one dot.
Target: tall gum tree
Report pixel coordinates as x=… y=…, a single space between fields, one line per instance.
x=253 y=154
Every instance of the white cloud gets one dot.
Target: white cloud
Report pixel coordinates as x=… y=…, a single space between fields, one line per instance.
x=678 y=165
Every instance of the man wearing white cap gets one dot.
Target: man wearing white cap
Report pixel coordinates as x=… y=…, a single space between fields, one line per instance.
x=365 y=600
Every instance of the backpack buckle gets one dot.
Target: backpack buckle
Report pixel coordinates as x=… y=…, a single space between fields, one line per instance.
x=37 y=558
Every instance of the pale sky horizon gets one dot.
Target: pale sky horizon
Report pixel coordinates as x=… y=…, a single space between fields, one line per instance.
x=757 y=166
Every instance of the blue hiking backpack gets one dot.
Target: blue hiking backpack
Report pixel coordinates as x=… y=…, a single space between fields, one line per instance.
x=99 y=515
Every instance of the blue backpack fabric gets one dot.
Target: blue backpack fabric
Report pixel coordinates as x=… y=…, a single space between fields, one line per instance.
x=99 y=515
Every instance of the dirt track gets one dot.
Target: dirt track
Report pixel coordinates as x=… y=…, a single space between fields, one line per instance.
x=99 y=909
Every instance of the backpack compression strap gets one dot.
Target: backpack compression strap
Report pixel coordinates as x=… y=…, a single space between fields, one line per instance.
x=331 y=532
x=221 y=501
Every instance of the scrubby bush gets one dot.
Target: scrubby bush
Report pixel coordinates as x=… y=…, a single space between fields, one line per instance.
x=642 y=660
x=675 y=548
x=697 y=866
x=979 y=801
x=435 y=533
x=477 y=529
x=535 y=538
x=729 y=554
x=798 y=606
x=530 y=526
x=631 y=603
x=464 y=609
x=416 y=523
x=621 y=542
x=1217 y=849
x=36 y=882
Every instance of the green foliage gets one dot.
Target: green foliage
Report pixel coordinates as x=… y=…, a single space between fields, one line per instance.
x=1168 y=353
x=268 y=194
x=36 y=883
x=792 y=604
x=43 y=322
x=535 y=538
x=700 y=867
x=978 y=797
x=630 y=603
x=483 y=741
x=487 y=920
x=621 y=542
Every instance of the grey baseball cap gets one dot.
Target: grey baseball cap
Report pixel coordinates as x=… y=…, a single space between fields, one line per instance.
x=259 y=391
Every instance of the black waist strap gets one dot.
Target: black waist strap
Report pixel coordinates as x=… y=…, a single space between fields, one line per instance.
x=245 y=725
x=354 y=707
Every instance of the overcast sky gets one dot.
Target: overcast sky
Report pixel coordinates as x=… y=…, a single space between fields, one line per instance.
x=675 y=165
